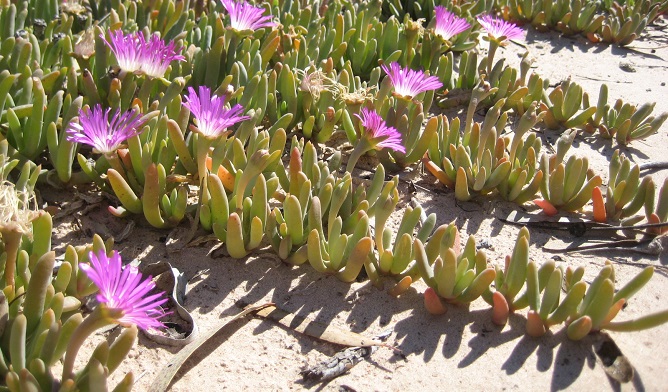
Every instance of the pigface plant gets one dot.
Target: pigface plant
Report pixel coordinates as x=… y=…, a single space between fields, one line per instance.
x=509 y=281
x=625 y=194
x=568 y=186
x=622 y=121
x=458 y=277
x=475 y=161
x=602 y=303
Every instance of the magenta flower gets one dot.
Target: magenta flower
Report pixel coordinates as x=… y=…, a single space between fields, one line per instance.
x=95 y=129
x=378 y=133
x=499 y=30
x=123 y=289
x=408 y=83
x=245 y=16
x=211 y=117
x=375 y=136
x=135 y=54
x=448 y=24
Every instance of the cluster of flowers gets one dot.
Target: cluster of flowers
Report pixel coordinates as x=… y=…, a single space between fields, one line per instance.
x=125 y=296
x=124 y=288
x=447 y=25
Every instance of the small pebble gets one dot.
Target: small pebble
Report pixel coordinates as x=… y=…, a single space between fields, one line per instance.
x=627 y=67
x=485 y=244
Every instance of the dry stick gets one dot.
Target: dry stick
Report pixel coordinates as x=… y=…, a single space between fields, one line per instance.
x=602 y=80
x=598 y=246
x=646 y=48
x=337 y=365
x=654 y=166
x=271 y=312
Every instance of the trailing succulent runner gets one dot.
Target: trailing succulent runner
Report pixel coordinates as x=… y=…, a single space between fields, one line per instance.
x=454 y=275
x=524 y=179
x=658 y=213
x=623 y=121
x=543 y=295
x=309 y=183
x=239 y=220
x=584 y=308
x=612 y=22
x=316 y=196
x=569 y=186
x=342 y=247
x=478 y=161
x=602 y=302
x=565 y=107
x=509 y=281
x=395 y=257
x=625 y=194
x=567 y=17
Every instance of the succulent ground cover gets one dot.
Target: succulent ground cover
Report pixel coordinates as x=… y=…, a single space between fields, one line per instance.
x=366 y=164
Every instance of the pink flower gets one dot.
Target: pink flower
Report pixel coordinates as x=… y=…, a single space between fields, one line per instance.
x=136 y=54
x=95 y=129
x=499 y=30
x=408 y=83
x=211 y=117
x=245 y=16
x=123 y=289
x=378 y=133
x=448 y=24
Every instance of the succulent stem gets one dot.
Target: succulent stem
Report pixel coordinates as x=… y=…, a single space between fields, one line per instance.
x=202 y=151
x=101 y=317
x=115 y=162
x=362 y=147
x=493 y=45
x=11 y=236
x=400 y=108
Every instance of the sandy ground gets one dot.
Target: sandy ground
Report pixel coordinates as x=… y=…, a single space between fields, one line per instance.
x=461 y=349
